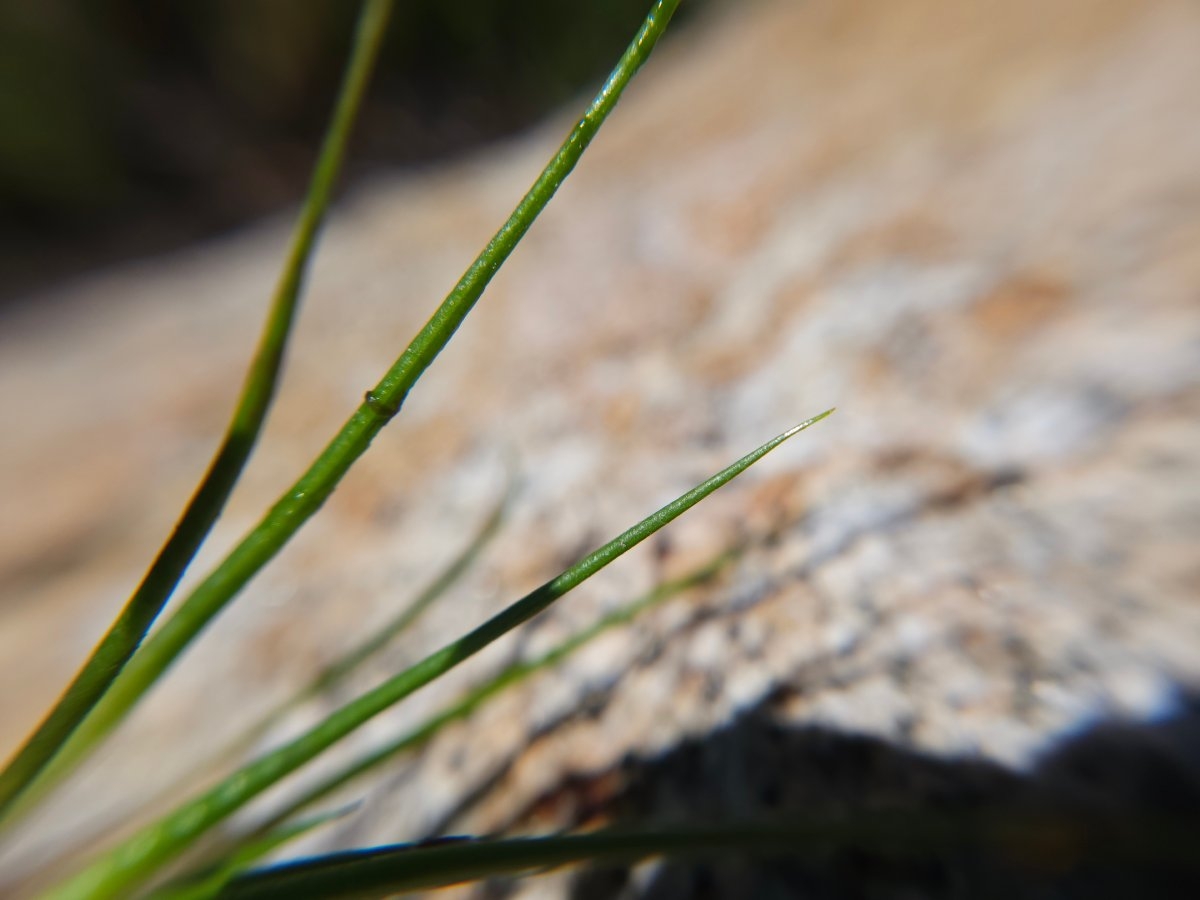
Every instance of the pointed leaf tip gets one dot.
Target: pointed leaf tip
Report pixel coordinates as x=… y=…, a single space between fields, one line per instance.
x=796 y=429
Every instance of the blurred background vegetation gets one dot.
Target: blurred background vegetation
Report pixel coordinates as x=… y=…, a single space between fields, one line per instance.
x=134 y=126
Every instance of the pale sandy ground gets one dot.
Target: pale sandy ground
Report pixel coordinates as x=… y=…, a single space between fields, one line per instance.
x=973 y=228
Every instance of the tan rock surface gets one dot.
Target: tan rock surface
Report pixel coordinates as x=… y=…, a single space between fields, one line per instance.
x=972 y=228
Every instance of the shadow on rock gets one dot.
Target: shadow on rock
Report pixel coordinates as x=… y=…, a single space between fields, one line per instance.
x=1104 y=793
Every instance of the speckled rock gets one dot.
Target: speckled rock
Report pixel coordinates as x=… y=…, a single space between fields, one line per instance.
x=972 y=228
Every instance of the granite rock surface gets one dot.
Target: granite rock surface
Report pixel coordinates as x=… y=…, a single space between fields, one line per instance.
x=973 y=229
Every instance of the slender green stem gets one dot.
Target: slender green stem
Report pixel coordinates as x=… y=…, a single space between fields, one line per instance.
x=109 y=657
x=1015 y=836
x=326 y=679
x=383 y=402
x=208 y=883
x=337 y=671
x=137 y=858
x=508 y=677
x=467 y=704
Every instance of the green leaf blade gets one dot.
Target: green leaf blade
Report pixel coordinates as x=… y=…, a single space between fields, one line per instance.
x=508 y=677
x=1023 y=837
x=119 y=644
x=381 y=404
x=139 y=857
x=202 y=885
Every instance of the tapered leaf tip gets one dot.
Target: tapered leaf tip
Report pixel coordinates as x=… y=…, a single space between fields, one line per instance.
x=796 y=429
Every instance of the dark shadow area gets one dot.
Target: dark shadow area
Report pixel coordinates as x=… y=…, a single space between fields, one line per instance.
x=134 y=127
x=1118 y=778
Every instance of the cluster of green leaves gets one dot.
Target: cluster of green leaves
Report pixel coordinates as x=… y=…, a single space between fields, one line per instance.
x=126 y=663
